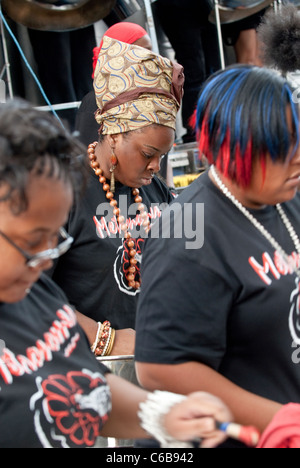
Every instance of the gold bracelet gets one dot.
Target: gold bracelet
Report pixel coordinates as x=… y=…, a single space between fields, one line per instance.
x=104 y=350
x=111 y=342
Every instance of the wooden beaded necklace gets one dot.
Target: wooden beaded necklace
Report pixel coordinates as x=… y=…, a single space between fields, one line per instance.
x=129 y=241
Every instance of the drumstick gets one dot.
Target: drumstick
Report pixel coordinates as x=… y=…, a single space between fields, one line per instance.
x=249 y=435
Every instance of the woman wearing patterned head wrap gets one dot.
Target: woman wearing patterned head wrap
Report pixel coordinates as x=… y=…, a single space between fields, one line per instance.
x=86 y=125
x=138 y=94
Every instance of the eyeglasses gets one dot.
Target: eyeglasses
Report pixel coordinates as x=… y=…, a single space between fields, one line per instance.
x=34 y=261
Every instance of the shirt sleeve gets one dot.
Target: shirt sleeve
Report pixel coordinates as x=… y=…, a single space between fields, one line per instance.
x=183 y=307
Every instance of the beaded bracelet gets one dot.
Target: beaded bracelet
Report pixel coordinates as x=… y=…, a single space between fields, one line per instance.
x=105 y=339
x=104 y=336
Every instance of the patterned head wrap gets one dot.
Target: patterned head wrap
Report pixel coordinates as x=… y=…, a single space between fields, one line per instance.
x=135 y=87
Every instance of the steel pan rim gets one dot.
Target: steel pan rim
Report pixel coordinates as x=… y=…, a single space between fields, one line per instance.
x=243 y=7
x=238 y=14
x=49 y=6
x=47 y=17
x=115 y=358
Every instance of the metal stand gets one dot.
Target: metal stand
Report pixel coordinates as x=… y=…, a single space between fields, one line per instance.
x=151 y=26
x=6 y=67
x=220 y=37
x=277 y=6
x=123 y=366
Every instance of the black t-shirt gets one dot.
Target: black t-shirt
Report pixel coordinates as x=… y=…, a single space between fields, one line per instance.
x=86 y=123
x=93 y=273
x=53 y=392
x=232 y=304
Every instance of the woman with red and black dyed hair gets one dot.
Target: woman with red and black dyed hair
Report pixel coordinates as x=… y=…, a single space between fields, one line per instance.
x=222 y=315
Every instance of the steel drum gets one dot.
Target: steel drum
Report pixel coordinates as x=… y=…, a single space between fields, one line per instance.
x=57 y=15
x=293 y=2
x=124 y=367
x=236 y=10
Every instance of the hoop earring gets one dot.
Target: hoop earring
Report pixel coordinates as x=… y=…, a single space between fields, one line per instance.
x=114 y=163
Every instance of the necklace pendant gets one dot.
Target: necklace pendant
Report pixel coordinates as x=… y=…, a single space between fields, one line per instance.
x=112 y=180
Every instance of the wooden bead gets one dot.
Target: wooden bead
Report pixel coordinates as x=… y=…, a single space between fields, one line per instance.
x=117 y=211
x=109 y=195
x=135 y=192
x=113 y=203
x=130 y=244
x=106 y=187
x=132 y=253
x=102 y=180
x=138 y=199
x=133 y=261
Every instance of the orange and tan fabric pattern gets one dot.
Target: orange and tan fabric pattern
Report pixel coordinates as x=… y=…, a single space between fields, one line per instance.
x=135 y=87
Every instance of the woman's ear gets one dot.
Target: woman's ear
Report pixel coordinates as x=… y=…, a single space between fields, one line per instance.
x=112 y=140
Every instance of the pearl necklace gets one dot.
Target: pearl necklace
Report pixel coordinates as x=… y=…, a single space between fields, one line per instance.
x=129 y=241
x=258 y=225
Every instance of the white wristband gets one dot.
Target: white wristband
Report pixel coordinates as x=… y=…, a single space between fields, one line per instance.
x=152 y=413
x=93 y=348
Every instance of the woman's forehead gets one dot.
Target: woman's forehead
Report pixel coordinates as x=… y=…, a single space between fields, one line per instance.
x=41 y=195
